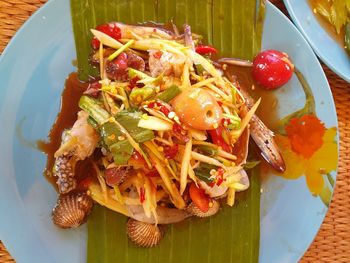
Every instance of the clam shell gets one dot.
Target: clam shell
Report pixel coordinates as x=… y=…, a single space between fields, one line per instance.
x=144 y=234
x=194 y=210
x=72 y=210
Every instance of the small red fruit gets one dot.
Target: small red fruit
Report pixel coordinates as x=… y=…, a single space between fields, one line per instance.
x=272 y=69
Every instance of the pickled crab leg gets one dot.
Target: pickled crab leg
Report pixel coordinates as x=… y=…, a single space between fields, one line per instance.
x=263 y=137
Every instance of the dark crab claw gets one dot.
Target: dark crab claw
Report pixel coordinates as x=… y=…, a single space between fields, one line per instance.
x=263 y=137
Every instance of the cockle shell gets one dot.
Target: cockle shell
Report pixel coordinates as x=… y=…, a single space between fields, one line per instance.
x=144 y=234
x=72 y=210
x=213 y=209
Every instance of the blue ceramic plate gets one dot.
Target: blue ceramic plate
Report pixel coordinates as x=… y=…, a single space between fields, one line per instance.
x=32 y=73
x=329 y=51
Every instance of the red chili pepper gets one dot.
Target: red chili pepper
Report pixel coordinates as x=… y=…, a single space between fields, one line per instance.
x=161 y=107
x=220 y=176
x=171 y=151
x=220 y=137
x=204 y=50
x=153 y=173
x=109 y=29
x=84 y=184
x=142 y=195
x=158 y=54
x=180 y=133
x=137 y=157
x=199 y=197
x=133 y=83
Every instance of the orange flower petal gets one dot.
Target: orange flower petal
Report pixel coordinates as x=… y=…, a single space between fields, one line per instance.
x=305 y=134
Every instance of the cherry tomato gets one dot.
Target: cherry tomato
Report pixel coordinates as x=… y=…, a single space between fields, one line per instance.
x=199 y=198
x=198 y=109
x=204 y=50
x=115 y=175
x=220 y=137
x=272 y=69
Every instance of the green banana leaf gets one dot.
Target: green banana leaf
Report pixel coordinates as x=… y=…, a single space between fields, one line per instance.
x=234 y=27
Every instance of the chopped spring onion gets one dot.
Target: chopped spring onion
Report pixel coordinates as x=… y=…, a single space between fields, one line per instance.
x=207 y=150
x=203 y=172
x=133 y=142
x=92 y=106
x=154 y=123
x=251 y=164
x=120 y=50
x=137 y=96
x=168 y=94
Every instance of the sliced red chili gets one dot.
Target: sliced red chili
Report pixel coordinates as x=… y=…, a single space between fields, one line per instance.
x=180 y=133
x=171 y=151
x=142 y=195
x=164 y=109
x=220 y=137
x=199 y=197
x=138 y=158
x=153 y=173
x=133 y=83
x=220 y=176
x=204 y=50
x=158 y=54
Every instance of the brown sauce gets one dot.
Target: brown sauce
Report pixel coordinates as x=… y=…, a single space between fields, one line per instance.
x=65 y=119
x=339 y=38
x=267 y=108
x=267 y=111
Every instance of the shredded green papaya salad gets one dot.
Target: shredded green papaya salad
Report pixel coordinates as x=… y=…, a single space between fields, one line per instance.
x=165 y=131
